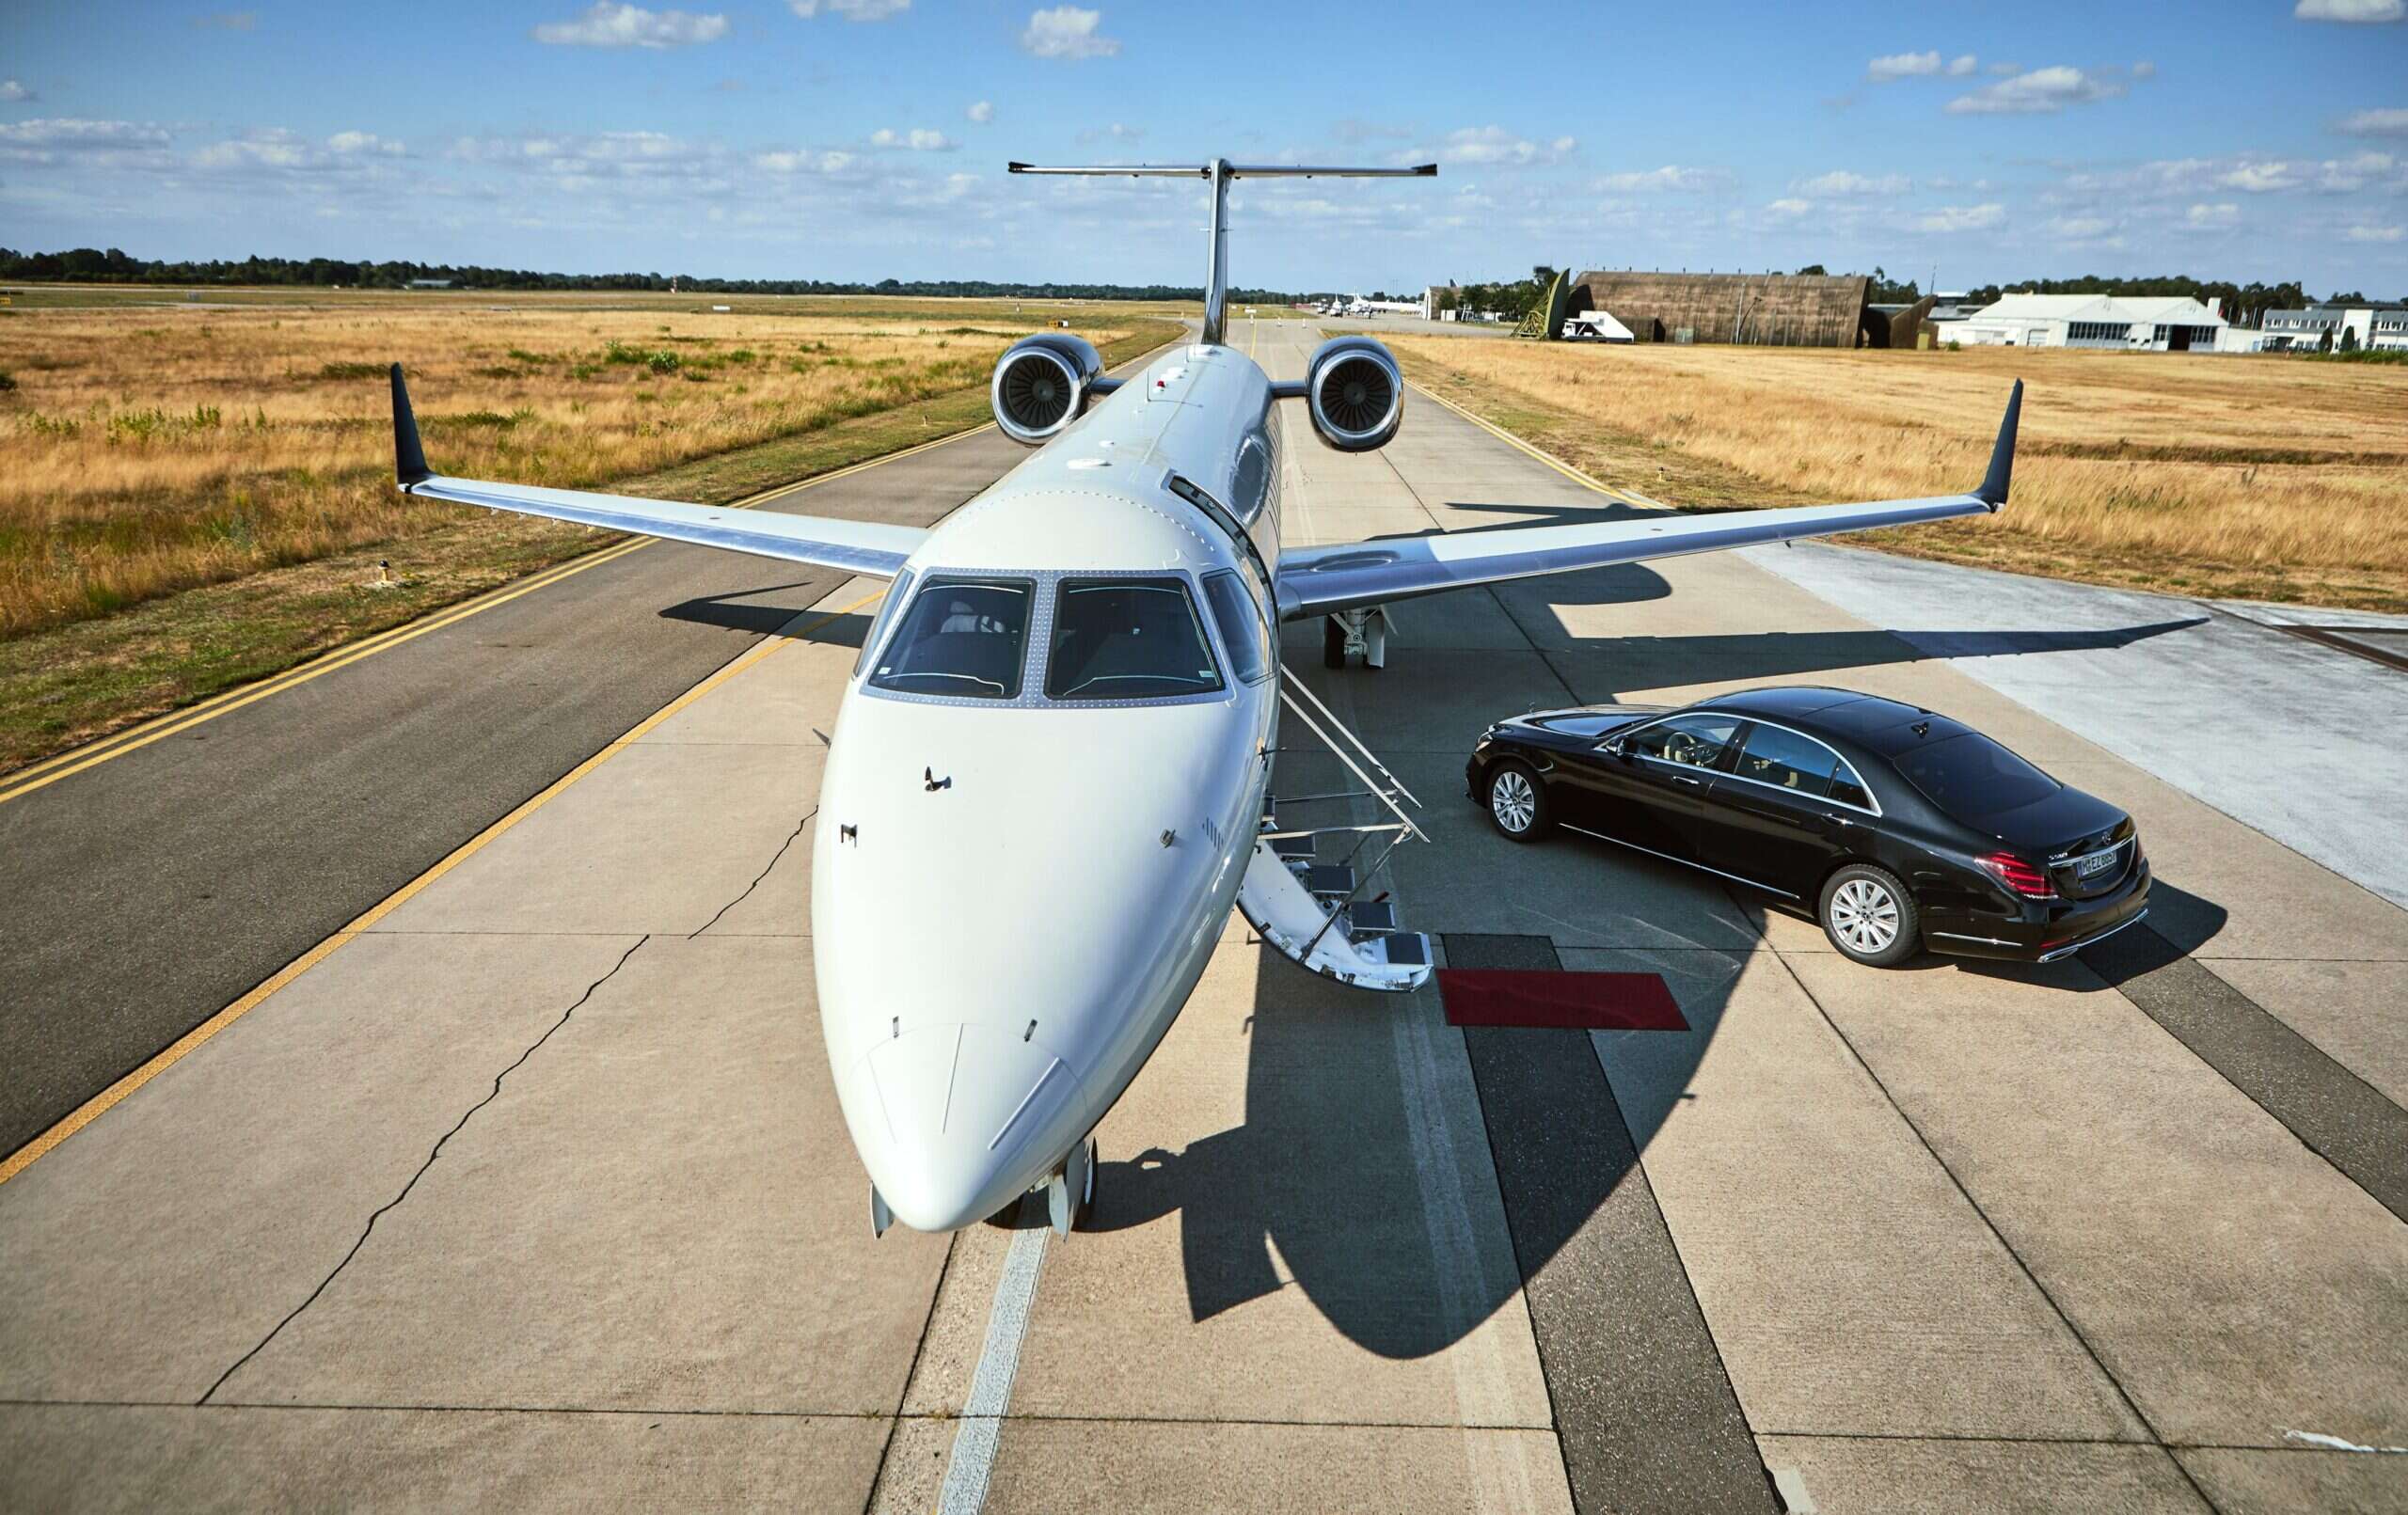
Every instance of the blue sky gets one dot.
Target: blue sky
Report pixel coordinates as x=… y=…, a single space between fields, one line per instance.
x=867 y=138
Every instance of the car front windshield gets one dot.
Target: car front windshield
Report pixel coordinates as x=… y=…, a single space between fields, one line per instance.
x=1128 y=639
x=962 y=637
x=1971 y=776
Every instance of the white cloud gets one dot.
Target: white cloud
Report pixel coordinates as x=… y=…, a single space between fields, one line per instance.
x=1496 y=144
x=56 y=138
x=849 y=9
x=2259 y=178
x=1789 y=210
x=981 y=113
x=363 y=142
x=2390 y=122
x=919 y=139
x=1950 y=218
x=1672 y=177
x=2003 y=69
x=2080 y=227
x=2144 y=69
x=1903 y=66
x=2373 y=234
x=227 y=21
x=1117 y=131
x=1961 y=66
x=1068 y=32
x=606 y=24
x=2037 y=92
x=15 y=93
x=2363 y=11
x=803 y=162
x=2212 y=217
x=1840 y=182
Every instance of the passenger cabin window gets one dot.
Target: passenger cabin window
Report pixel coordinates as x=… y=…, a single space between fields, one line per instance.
x=1786 y=760
x=896 y=593
x=1692 y=741
x=1242 y=627
x=961 y=637
x=1128 y=639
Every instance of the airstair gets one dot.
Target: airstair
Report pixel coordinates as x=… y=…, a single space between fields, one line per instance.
x=1314 y=910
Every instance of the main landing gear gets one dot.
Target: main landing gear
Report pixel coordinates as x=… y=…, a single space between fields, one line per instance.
x=1355 y=631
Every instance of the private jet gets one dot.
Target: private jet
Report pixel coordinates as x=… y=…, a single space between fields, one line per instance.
x=1049 y=778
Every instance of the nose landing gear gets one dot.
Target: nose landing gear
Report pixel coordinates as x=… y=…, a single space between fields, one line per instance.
x=1355 y=631
x=1070 y=1194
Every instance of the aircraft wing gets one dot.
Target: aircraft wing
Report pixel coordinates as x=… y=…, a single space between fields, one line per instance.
x=1351 y=576
x=855 y=547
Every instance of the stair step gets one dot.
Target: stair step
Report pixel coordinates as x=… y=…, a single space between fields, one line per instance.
x=1407 y=949
x=1370 y=918
x=1293 y=848
x=1330 y=880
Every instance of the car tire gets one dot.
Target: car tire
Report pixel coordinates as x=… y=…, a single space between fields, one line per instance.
x=1517 y=804
x=1869 y=916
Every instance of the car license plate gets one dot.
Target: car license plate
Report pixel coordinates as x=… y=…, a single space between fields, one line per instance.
x=2096 y=864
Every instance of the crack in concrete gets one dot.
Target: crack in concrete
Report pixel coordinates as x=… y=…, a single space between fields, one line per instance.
x=776 y=858
x=437 y=1151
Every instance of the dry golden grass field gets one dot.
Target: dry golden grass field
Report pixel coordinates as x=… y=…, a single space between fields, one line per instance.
x=150 y=450
x=194 y=493
x=2252 y=478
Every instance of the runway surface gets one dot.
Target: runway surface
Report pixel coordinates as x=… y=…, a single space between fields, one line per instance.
x=531 y=1191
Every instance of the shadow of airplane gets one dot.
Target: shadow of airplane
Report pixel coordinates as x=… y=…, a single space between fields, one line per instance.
x=746 y=611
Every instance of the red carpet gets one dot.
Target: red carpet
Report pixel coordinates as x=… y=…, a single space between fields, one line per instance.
x=1580 y=1001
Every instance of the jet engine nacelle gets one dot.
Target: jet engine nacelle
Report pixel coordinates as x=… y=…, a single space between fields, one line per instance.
x=1356 y=393
x=1042 y=383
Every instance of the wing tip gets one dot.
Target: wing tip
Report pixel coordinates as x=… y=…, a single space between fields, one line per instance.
x=2002 y=470
x=409 y=458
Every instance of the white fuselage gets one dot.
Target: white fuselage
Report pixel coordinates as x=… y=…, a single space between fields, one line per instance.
x=1011 y=899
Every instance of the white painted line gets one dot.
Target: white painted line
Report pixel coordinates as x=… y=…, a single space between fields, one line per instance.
x=2335 y=1443
x=991 y=1385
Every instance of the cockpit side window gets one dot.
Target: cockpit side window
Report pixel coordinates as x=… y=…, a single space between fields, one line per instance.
x=896 y=594
x=1241 y=629
x=1128 y=639
x=962 y=637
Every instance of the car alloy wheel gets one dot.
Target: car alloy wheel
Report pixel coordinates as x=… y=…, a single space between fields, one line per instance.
x=1864 y=915
x=1513 y=801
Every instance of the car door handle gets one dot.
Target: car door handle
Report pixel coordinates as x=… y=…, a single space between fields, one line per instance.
x=1683 y=778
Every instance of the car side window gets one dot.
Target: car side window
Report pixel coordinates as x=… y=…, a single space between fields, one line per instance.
x=1691 y=741
x=1786 y=760
x=1848 y=789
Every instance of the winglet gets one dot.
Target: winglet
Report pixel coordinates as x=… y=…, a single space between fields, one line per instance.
x=1993 y=490
x=409 y=458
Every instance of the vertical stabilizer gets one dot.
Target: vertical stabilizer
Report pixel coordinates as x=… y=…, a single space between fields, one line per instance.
x=1218 y=174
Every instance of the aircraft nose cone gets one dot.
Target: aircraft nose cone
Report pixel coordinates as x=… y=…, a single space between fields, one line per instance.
x=970 y=1114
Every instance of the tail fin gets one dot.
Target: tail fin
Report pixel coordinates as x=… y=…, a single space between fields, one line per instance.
x=1219 y=172
x=409 y=458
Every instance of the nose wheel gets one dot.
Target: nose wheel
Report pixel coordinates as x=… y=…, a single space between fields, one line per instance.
x=1070 y=1194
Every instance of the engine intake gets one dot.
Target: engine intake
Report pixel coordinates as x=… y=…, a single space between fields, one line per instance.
x=1356 y=393
x=1042 y=383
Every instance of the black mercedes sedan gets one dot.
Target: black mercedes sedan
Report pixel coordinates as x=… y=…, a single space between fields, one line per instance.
x=1897 y=828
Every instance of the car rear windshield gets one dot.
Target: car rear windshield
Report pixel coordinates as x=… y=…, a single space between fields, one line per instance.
x=962 y=637
x=1970 y=775
x=1128 y=639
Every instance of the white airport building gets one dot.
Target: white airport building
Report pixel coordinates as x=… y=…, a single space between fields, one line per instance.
x=2334 y=327
x=2138 y=324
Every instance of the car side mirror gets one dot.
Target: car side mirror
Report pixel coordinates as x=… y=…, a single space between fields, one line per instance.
x=1615 y=746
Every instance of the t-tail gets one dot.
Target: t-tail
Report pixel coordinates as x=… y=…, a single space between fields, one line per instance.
x=1219 y=173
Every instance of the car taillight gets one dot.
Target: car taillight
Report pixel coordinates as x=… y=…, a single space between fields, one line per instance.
x=2018 y=875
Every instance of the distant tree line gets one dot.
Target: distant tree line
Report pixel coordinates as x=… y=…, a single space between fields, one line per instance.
x=92 y=265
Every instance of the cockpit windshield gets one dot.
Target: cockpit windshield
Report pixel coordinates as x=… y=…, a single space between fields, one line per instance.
x=962 y=637
x=1128 y=639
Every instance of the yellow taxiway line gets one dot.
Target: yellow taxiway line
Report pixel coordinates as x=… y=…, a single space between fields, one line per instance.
x=100 y=1104
x=50 y=770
